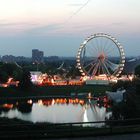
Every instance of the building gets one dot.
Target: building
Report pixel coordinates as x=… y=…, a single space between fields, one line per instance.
x=36 y=77
x=8 y=58
x=13 y=59
x=37 y=56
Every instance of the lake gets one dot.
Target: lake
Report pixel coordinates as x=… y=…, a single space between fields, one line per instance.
x=57 y=111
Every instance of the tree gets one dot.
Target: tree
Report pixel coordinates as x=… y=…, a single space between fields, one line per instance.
x=25 y=82
x=122 y=84
x=3 y=76
x=137 y=71
x=9 y=70
x=73 y=72
x=17 y=74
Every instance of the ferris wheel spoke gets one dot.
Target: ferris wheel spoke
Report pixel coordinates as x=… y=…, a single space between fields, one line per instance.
x=105 y=44
x=110 y=50
x=91 y=68
x=90 y=59
x=112 y=65
x=97 y=45
x=93 y=47
x=99 y=70
x=115 y=66
x=108 y=46
x=91 y=63
x=106 y=69
x=95 y=69
x=90 y=52
x=103 y=69
x=111 y=62
x=101 y=44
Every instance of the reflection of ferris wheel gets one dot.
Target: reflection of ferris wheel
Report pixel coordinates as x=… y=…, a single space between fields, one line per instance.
x=100 y=54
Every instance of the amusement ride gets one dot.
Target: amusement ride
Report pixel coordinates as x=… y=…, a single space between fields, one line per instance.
x=100 y=54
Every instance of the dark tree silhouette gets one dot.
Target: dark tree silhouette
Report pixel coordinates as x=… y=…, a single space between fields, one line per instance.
x=3 y=76
x=137 y=71
x=25 y=82
x=9 y=70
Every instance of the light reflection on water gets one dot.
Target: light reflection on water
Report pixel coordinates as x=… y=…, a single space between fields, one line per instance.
x=59 y=113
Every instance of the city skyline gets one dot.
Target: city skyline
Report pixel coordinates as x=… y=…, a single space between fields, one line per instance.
x=58 y=27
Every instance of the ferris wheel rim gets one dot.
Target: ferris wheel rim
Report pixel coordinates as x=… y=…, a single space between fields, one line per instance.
x=117 y=44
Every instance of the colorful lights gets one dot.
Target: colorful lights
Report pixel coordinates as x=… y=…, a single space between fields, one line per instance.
x=10 y=82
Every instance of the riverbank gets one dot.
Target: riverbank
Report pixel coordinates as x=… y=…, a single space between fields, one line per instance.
x=37 y=91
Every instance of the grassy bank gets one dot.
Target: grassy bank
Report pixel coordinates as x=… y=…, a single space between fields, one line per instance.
x=96 y=90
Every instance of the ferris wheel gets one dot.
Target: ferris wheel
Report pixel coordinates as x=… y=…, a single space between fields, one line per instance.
x=100 y=54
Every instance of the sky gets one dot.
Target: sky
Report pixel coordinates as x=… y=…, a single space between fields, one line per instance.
x=58 y=27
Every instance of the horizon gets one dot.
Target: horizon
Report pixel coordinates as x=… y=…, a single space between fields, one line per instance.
x=60 y=56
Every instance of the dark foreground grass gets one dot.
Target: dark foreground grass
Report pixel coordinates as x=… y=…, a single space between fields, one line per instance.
x=16 y=128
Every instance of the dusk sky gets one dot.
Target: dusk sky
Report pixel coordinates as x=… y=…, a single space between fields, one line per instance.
x=58 y=27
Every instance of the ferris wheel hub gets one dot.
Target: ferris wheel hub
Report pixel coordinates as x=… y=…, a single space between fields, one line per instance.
x=101 y=57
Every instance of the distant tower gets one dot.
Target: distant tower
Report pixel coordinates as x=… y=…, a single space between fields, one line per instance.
x=37 y=56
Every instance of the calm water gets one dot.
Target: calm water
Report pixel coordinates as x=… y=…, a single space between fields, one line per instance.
x=59 y=113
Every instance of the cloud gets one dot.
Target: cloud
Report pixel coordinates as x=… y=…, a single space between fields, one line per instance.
x=44 y=29
x=31 y=28
x=15 y=28
x=118 y=24
x=15 y=24
x=76 y=4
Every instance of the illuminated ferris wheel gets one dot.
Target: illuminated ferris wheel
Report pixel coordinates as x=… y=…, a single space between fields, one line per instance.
x=100 y=54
